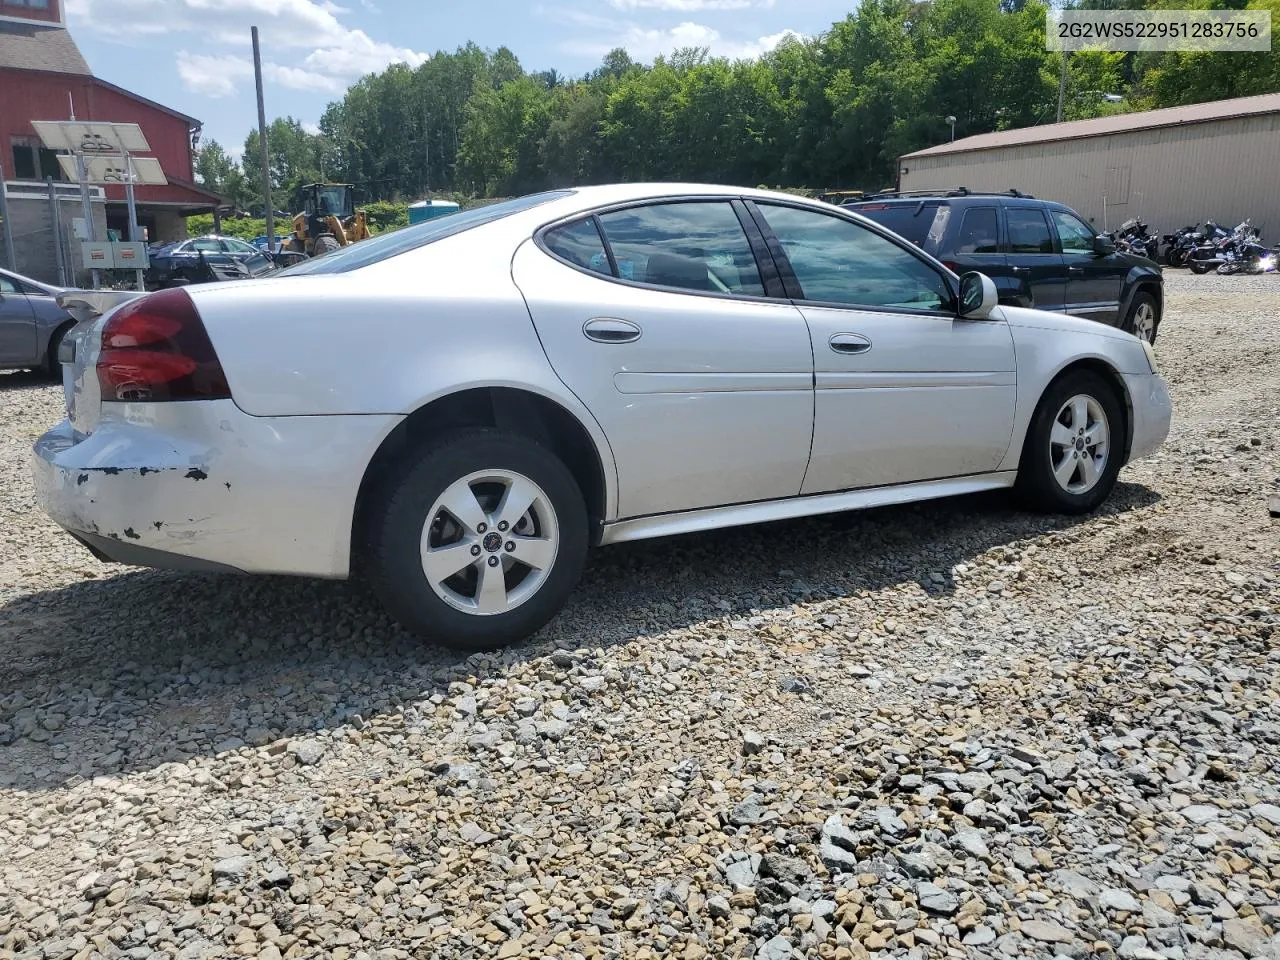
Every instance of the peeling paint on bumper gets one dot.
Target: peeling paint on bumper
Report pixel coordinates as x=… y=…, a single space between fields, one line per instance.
x=205 y=482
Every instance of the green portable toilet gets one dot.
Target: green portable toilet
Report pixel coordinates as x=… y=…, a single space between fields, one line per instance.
x=430 y=209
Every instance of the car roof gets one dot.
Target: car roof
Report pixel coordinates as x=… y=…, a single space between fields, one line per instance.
x=952 y=198
x=595 y=196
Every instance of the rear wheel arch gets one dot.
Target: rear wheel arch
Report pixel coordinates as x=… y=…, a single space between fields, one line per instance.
x=509 y=409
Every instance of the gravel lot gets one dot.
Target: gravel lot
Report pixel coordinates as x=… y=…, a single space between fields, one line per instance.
x=940 y=731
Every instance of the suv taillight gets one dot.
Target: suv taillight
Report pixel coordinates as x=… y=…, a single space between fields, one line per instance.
x=156 y=349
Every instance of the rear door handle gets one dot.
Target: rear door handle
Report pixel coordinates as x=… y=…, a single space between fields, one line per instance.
x=852 y=343
x=611 y=330
x=1076 y=271
x=1021 y=269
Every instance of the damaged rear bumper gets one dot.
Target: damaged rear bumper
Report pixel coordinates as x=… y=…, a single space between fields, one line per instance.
x=204 y=486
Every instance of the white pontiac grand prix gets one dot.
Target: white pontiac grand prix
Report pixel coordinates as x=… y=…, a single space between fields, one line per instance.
x=460 y=409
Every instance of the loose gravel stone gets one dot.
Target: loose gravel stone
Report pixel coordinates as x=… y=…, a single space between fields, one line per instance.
x=729 y=745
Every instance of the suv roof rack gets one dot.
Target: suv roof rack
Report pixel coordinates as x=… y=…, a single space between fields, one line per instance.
x=955 y=192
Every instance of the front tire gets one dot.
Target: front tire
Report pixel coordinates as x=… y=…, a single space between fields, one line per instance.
x=1074 y=446
x=1143 y=319
x=326 y=243
x=477 y=540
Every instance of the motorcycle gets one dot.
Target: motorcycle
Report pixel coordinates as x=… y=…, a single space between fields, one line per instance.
x=1134 y=237
x=1217 y=246
x=1248 y=255
x=1180 y=243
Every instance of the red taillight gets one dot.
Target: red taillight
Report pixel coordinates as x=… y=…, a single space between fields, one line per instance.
x=156 y=349
x=951 y=265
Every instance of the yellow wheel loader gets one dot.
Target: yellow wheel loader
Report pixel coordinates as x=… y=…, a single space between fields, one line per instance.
x=328 y=219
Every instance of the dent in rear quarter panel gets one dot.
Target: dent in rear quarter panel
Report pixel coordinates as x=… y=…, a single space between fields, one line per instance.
x=388 y=338
x=1043 y=351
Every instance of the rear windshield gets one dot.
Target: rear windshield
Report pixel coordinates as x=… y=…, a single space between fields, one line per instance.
x=393 y=244
x=911 y=221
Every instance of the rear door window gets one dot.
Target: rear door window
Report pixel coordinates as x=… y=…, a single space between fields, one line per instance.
x=697 y=245
x=911 y=221
x=579 y=243
x=1028 y=231
x=979 y=231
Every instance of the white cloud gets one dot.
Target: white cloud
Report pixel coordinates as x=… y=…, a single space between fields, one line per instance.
x=689 y=6
x=311 y=128
x=214 y=76
x=305 y=43
x=221 y=75
x=644 y=43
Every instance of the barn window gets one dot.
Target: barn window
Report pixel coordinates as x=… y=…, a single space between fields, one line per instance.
x=31 y=161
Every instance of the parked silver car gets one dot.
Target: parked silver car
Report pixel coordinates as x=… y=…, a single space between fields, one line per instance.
x=31 y=324
x=460 y=409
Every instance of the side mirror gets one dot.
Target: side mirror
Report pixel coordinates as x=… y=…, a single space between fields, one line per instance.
x=978 y=296
x=1103 y=245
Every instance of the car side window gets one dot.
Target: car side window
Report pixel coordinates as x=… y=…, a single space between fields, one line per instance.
x=1028 y=231
x=838 y=261
x=979 y=232
x=8 y=286
x=1077 y=239
x=690 y=246
x=207 y=245
x=240 y=246
x=579 y=243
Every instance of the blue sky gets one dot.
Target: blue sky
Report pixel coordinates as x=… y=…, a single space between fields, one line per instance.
x=195 y=55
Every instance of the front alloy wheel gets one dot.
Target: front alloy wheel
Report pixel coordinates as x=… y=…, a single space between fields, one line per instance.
x=1079 y=444
x=1144 y=321
x=1074 y=445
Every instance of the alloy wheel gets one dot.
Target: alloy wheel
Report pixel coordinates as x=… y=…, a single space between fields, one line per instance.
x=489 y=542
x=1079 y=444
x=1144 y=322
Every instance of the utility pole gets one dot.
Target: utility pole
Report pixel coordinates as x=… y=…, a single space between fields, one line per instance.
x=1062 y=86
x=262 y=142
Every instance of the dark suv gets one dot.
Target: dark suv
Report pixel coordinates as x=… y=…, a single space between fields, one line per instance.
x=1039 y=253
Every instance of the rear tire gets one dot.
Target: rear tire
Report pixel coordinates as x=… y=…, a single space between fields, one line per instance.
x=1074 y=446
x=455 y=560
x=51 y=368
x=1143 y=319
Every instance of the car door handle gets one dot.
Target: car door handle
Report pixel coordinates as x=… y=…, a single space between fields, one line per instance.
x=1076 y=271
x=849 y=343
x=611 y=330
x=1021 y=270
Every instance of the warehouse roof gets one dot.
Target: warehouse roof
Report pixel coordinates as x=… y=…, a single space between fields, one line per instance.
x=1117 y=123
x=50 y=49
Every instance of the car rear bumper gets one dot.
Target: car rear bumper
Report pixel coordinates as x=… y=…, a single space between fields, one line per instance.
x=1152 y=413
x=204 y=486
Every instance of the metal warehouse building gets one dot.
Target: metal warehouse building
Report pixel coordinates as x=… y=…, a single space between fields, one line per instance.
x=1171 y=167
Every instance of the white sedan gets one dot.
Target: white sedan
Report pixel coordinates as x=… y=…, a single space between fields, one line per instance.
x=460 y=409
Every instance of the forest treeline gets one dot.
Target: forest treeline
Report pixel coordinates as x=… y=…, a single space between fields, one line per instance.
x=830 y=111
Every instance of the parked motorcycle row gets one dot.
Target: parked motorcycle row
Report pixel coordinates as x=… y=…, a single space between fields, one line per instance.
x=1212 y=247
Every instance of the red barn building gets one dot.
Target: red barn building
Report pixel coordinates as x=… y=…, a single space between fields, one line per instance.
x=43 y=76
